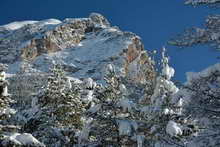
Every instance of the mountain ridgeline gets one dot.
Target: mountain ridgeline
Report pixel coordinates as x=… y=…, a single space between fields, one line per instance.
x=83 y=46
x=82 y=82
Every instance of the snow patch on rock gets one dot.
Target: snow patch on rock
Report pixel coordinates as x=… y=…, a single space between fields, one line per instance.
x=24 y=139
x=173 y=129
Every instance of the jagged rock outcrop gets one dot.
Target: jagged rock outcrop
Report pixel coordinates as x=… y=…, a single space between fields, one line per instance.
x=82 y=46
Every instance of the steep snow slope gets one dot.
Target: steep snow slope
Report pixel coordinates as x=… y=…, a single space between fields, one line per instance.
x=82 y=46
x=17 y=25
x=91 y=55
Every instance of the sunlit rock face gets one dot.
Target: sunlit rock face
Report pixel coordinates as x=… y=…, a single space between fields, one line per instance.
x=83 y=46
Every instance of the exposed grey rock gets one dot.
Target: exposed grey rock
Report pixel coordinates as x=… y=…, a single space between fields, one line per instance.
x=83 y=46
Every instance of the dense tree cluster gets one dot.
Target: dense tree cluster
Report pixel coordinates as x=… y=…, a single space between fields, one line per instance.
x=10 y=133
x=118 y=112
x=55 y=110
x=202 y=93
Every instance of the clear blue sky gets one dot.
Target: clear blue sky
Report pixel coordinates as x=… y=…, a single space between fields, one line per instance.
x=155 y=21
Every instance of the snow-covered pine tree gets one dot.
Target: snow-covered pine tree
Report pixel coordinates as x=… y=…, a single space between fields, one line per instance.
x=9 y=135
x=158 y=112
x=103 y=127
x=25 y=84
x=201 y=101
x=5 y=99
x=163 y=121
x=115 y=117
x=119 y=119
x=60 y=112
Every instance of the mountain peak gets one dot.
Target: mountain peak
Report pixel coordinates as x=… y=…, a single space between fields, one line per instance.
x=99 y=19
x=83 y=46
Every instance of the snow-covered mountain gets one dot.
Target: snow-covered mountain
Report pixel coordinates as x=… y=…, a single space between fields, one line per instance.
x=82 y=46
x=112 y=95
x=86 y=48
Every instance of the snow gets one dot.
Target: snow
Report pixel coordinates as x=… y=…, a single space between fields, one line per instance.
x=110 y=68
x=19 y=24
x=166 y=111
x=140 y=140
x=24 y=44
x=84 y=133
x=134 y=125
x=170 y=86
x=197 y=2
x=167 y=85
x=124 y=127
x=173 y=129
x=75 y=80
x=113 y=29
x=184 y=94
x=89 y=58
x=50 y=22
x=93 y=54
x=28 y=114
x=5 y=91
x=24 y=139
x=95 y=108
x=34 y=102
x=2 y=75
x=153 y=129
x=205 y=73
x=133 y=67
x=146 y=109
x=123 y=89
x=190 y=76
x=180 y=103
x=89 y=83
x=102 y=21
x=208 y=71
x=68 y=83
x=215 y=36
x=168 y=72
x=126 y=104
x=7 y=111
x=89 y=96
x=156 y=93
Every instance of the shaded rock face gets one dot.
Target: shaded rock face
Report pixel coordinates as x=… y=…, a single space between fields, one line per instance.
x=67 y=35
x=83 y=46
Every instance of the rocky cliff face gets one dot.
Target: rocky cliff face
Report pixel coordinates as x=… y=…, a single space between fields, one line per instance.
x=82 y=46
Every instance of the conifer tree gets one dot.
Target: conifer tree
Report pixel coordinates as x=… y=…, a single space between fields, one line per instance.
x=60 y=111
x=5 y=99
x=10 y=133
x=201 y=104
